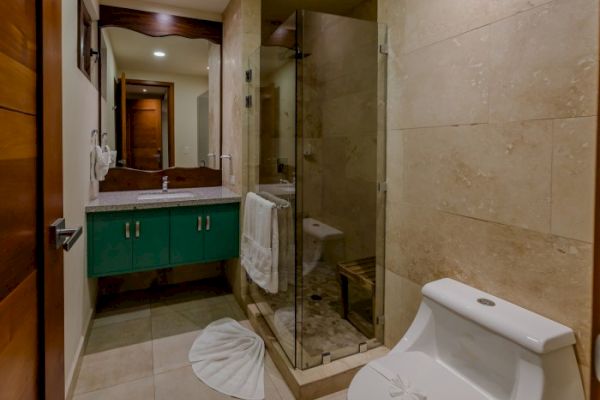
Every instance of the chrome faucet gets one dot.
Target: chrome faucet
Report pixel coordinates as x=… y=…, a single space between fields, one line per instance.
x=165 y=184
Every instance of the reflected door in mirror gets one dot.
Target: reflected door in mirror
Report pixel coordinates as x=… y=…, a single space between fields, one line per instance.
x=144 y=131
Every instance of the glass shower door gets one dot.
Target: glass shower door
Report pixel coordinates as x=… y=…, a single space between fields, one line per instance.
x=272 y=147
x=340 y=160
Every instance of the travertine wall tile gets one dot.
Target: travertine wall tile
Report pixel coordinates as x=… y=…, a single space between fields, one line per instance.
x=493 y=172
x=490 y=159
x=544 y=63
x=403 y=298
x=547 y=274
x=573 y=173
x=443 y=84
x=432 y=21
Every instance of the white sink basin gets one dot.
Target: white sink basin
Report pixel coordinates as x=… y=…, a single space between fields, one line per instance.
x=165 y=196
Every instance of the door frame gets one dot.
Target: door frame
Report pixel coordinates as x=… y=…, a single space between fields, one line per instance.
x=170 y=111
x=50 y=198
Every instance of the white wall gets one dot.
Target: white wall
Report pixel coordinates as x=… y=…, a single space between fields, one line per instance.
x=80 y=116
x=187 y=90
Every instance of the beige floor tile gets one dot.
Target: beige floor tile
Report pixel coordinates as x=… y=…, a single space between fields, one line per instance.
x=142 y=389
x=120 y=334
x=113 y=367
x=272 y=373
x=113 y=317
x=343 y=395
x=171 y=323
x=182 y=384
x=171 y=352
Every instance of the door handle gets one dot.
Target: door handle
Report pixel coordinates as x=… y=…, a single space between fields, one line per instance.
x=208 y=222
x=64 y=237
x=127 y=233
x=137 y=229
x=199 y=227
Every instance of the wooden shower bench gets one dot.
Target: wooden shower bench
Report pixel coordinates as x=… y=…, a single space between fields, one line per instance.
x=361 y=272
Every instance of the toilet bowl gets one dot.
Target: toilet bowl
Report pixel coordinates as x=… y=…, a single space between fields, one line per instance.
x=319 y=239
x=465 y=344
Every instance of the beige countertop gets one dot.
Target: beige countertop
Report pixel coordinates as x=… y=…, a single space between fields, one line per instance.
x=129 y=200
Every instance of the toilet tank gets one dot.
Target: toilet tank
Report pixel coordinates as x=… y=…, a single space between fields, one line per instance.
x=496 y=346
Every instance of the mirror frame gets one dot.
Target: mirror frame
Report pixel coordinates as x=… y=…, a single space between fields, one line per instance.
x=160 y=25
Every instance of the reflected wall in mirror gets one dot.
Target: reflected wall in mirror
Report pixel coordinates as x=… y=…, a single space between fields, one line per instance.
x=161 y=100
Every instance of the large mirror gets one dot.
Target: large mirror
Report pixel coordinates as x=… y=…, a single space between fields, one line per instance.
x=161 y=100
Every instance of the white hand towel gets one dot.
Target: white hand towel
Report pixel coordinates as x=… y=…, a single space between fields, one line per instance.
x=230 y=359
x=260 y=242
x=101 y=163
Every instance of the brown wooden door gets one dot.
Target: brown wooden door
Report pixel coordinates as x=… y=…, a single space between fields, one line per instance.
x=31 y=293
x=145 y=133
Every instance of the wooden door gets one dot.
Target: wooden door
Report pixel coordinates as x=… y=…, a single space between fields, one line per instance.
x=145 y=133
x=31 y=275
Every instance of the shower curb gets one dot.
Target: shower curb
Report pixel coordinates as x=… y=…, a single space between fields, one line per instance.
x=314 y=382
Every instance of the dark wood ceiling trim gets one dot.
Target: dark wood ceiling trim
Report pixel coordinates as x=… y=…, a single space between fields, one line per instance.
x=157 y=24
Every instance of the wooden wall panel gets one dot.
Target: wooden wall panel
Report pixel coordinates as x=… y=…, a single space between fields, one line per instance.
x=19 y=342
x=119 y=179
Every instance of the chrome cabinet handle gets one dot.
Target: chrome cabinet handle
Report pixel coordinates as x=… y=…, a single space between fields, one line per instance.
x=208 y=222
x=199 y=227
x=127 y=233
x=137 y=229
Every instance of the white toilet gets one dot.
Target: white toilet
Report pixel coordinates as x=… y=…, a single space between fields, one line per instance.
x=320 y=241
x=465 y=344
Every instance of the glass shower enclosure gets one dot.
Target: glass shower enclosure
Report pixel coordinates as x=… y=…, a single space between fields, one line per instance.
x=316 y=142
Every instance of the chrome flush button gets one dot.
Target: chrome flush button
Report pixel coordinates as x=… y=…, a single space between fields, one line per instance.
x=486 y=302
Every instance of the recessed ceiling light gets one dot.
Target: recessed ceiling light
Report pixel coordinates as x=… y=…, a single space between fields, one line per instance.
x=159 y=53
x=144 y=90
x=207 y=67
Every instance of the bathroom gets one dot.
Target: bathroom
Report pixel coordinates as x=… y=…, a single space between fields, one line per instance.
x=396 y=143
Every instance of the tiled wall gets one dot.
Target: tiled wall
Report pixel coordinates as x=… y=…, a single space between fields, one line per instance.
x=339 y=127
x=491 y=154
x=241 y=37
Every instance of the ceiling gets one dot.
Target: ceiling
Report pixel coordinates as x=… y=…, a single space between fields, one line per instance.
x=134 y=52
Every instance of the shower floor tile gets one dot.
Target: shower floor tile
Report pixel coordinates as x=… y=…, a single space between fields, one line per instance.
x=148 y=359
x=323 y=328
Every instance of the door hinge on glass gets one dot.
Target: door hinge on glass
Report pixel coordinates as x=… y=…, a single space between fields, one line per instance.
x=382 y=187
x=248 y=101
x=384 y=49
x=248 y=75
x=381 y=320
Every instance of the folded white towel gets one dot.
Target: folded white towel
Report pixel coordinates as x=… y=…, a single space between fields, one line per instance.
x=101 y=163
x=230 y=359
x=260 y=242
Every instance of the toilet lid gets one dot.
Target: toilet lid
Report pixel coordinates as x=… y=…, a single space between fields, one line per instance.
x=411 y=375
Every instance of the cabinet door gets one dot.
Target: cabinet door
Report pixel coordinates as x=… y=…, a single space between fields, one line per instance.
x=222 y=232
x=187 y=235
x=111 y=243
x=150 y=233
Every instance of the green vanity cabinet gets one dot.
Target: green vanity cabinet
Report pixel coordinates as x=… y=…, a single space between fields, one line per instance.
x=150 y=239
x=222 y=231
x=110 y=248
x=187 y=235
x=129 y=241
